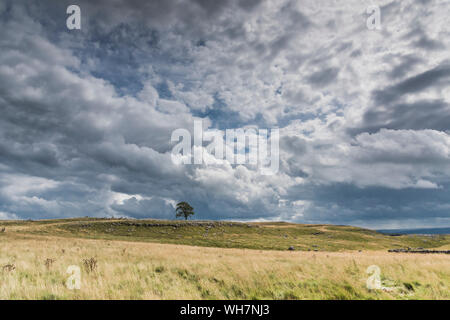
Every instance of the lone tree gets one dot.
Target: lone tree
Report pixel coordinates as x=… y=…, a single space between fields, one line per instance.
x=184 y=209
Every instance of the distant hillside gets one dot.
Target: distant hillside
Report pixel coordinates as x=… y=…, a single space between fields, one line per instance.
x=226 y=234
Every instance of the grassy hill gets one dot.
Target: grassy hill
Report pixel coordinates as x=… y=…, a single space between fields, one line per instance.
x=153 y=259
x=221 y=234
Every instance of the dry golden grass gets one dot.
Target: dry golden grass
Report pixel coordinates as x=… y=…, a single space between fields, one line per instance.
x=138 y=270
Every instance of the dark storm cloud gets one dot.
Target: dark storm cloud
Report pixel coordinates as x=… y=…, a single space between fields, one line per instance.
x=426 y=43
x=419 y=115
x=189 y=15
x=293 y=168
x=323 y=77
x=61 y=129
x=420 y=39
x=392 y=111
x=293 y=144
x=434 y=78
x=340 y=202
x=407 y=65
x=39 y=154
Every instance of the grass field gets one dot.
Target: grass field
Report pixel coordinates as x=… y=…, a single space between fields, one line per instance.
x=214 y=260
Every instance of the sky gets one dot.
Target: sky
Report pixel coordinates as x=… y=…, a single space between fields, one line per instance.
x=363 y=114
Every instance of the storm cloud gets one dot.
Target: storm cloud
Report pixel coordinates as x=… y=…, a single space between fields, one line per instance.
x=87 y=115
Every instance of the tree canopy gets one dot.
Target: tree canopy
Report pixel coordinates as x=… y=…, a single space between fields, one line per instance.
x=184 y=209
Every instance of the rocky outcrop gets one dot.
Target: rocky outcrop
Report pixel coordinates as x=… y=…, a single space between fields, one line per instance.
x=207 y=225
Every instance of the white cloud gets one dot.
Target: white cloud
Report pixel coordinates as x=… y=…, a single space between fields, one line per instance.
x=8 y=216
